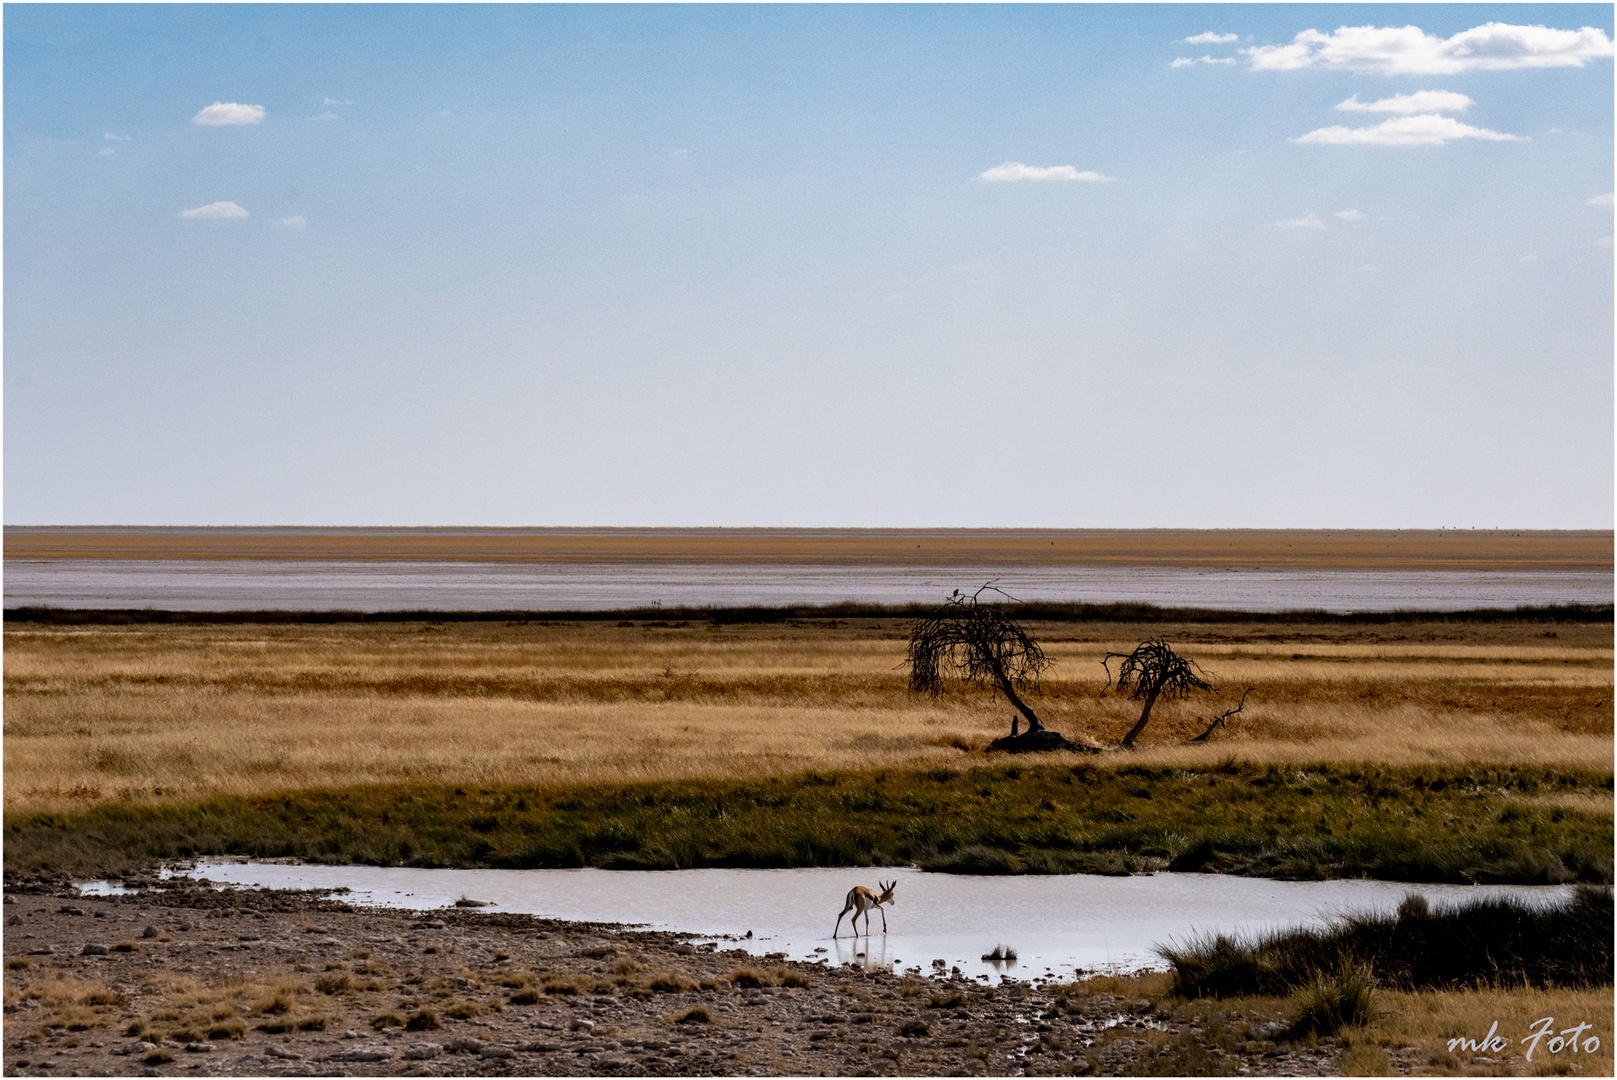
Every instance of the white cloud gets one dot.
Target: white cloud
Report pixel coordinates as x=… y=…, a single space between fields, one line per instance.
x=1604 y=242
x=216 y=210
x=1408 y=50
x=1312 y=221
x=1015 y=170
x=1421 y=101
x=327 y=115
x=1404 y=131
x=223 y=113
x=1601 y=200
x=1351 y=215
x=117 y=138
x=1185 y=61
x=298 y=222
x=106 y=151
x=1210 y=38
x=336 y=101
x=1529 y=258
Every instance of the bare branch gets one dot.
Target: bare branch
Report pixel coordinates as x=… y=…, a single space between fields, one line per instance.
x=1218 y=721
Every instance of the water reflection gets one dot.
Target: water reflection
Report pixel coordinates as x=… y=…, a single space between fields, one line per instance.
x=1055 y=925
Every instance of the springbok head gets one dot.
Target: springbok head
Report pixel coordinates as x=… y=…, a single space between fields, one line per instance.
x=886 y=896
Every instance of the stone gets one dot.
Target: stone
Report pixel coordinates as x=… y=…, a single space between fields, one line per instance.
x=492 y=1051
x=422 y=1051
x=68 y=909
x=363 y=1053
x=466 y=1044
x=149 y=932
x=93 y=949
x=283 y=1053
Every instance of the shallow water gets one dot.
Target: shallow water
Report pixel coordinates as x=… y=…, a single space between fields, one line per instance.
x=1055 y=924
x=218 y=585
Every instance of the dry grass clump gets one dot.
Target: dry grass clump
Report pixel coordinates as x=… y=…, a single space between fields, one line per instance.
x=777 y=975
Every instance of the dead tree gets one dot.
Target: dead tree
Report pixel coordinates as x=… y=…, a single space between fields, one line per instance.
x=978 y=644
x=1150 y=671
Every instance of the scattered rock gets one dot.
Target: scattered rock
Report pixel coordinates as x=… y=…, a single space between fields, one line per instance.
x=492 y=1051
x=283 y=1053
x=149 y=932
x=363 y=1053
x=93 y=949
x=68 y=909
x=422 y=1051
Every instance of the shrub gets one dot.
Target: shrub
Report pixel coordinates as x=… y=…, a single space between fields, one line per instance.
x=697 y=1015
x=230 y=1029
x=464 y=1010
x=386 y=1020
x=1330 y=1004
x=525 y=997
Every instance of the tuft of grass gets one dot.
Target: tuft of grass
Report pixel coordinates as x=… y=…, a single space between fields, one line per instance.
x=230 y=1029
x=1333 y=1002
x=386 y=1020
x=336 y=982
x=423 y=1020
x=525 y=997
x=698 y=1015
x=1493 y=942
x=464 y=1010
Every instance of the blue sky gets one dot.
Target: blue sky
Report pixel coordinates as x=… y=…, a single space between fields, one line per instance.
x=839 y=266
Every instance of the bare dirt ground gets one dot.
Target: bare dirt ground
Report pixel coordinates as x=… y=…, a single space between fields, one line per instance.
x=1388 y=549
x=188 y=981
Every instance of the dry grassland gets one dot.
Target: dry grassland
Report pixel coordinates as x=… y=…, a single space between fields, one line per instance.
x=170 y=713
x=1387 y=549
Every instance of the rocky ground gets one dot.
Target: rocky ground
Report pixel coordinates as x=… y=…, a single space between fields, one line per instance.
x=189 y=981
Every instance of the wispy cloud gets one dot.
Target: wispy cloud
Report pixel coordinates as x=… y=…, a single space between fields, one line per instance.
x=215 y=211
x=336 y=101
x=1404 y=131
x=296 y=222
x=1408 y=50
x=1207 y=37
x=1185 y=61
x=1015 y=170
x=1601 y=200
x=1421 y=101
x=1351 y=215
x=224 y=113
x=109 y=136
x=1312 y=221
x=327 y=115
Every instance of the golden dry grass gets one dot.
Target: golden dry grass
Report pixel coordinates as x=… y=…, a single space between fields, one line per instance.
x=158 y=713
x=1425 y=1021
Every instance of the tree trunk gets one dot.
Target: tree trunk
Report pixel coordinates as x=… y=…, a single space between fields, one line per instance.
x=1145 y=715
x=1033 y=721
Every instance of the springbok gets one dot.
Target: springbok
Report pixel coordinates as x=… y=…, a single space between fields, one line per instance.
x=860 y=901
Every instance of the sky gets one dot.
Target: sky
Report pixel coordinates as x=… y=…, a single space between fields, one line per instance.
x=993 y=266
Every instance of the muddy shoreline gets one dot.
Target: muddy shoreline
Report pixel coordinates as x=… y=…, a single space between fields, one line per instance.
x=185 y=980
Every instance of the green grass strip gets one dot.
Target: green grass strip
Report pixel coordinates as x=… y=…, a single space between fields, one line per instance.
x=1435 y=824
